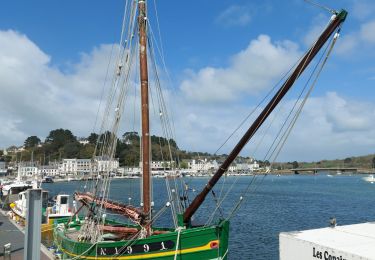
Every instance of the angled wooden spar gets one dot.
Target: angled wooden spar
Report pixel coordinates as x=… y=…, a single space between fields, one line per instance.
x=323 y=38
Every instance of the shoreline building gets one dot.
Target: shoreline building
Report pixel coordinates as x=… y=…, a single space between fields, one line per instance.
x=104 y=164
x=203 y=165
x=27 y=170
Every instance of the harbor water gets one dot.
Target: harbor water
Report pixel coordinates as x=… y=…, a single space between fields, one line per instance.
x=270 y=205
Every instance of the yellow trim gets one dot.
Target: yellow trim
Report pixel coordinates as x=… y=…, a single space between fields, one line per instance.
x=152 y=255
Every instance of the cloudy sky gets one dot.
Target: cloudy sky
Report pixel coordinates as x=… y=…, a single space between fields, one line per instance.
x=222 y=57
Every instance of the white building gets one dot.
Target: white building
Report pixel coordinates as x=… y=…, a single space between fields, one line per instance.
x=83 y=141
x=75 y=166
x=104 y=164
x=83 y=166
x=68 y=166
x=244 y=167
x=254 y=166
x=159 y=165
x=28 y=171
x=49 y=170
x=203 y=165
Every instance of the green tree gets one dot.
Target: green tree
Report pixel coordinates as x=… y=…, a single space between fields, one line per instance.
x=347 y=160
x=130 y=138
x=32 y=141
x=71 y=150
x=60 y=137
x=373 y=162
x=295 y=164
x=93 y=137
x=184 y=165
x=86 y=151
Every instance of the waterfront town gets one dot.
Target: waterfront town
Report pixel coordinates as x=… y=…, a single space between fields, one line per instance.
x=77 y=169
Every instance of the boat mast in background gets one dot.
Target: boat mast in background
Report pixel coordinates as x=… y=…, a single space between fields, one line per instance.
x=336 y=21
x=146 y=187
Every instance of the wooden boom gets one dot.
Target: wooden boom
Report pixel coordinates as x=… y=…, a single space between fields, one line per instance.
x=323 y=38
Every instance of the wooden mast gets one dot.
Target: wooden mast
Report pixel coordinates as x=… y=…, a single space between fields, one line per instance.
x=335 y=23
x=146 y=187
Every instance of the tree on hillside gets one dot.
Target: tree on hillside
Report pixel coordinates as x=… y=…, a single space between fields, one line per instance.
x=59 y=137
x=347 y=160
x=373 y=162
x=106 y=137
x=86 y=151
x=295 y=164
x=32 y=141
x=130 y=138
x=184 y=165
x=93 y=137
x=71 y=150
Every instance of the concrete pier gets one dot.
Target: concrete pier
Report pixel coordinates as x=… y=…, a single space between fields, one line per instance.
x=12 y=233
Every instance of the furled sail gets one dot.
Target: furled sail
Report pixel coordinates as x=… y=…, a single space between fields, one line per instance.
x=134 y=214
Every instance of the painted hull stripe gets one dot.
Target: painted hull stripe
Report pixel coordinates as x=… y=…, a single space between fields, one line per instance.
x=151 y=255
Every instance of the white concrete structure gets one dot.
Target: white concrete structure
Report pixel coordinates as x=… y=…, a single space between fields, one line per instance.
x=331 y=243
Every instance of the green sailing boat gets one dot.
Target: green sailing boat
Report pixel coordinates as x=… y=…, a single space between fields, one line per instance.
x=96 y=236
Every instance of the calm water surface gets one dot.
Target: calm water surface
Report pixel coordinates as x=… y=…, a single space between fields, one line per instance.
x=272 y=205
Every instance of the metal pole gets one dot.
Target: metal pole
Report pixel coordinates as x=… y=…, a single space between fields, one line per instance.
x=33 y=225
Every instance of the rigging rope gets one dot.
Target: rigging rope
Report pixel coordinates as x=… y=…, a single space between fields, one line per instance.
x=297 y=114
x=288 y=129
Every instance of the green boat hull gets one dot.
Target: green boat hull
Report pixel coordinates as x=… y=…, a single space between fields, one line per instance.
x=193 y=243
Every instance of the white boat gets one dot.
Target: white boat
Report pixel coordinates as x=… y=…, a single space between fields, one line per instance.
x=369 y=178
x=60 y=208
x=11 y=190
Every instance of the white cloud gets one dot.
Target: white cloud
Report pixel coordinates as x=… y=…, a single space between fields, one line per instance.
x=367 y=32
x=362 y=9
x=249 y=72
x=353 y=41
x=37 y=97
x=235 y=15
x=347 y=44
x=329 y=127
x=333 y=127
x=318 y=25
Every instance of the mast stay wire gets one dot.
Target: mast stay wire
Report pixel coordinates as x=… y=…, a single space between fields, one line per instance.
x=108 y=143
x=256 y=148
x=165 y=123
x=335 y=37
x=296 y=116
x=168 y=77
x=254 y=110
x=332 y=11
